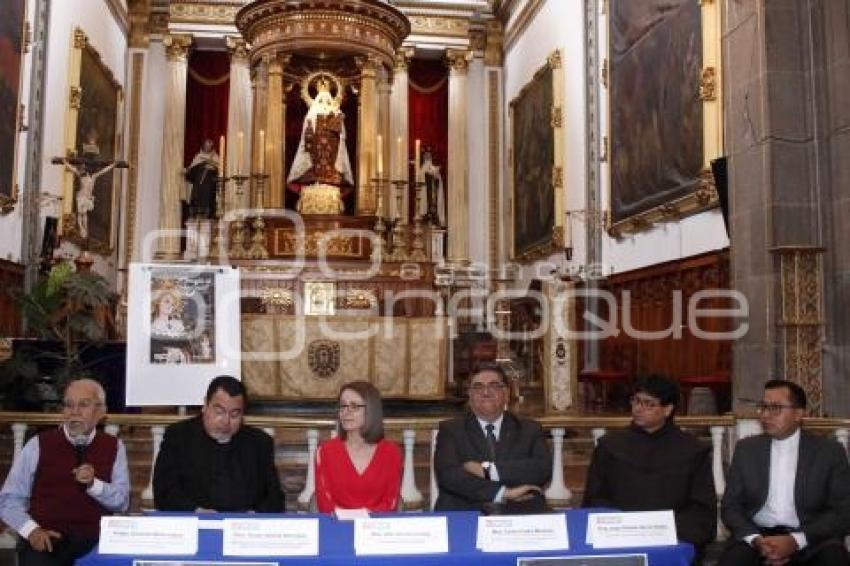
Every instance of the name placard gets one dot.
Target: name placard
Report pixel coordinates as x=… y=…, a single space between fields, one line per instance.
x=625 y=530
x=270 y=537
x=149 y=535
x=523 y=533
x=401 y=535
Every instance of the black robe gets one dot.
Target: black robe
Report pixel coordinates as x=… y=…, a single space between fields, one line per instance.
x=633 y=470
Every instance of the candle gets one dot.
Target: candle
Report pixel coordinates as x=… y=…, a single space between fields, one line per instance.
x=568 y=231
x=262 y=150
x=401 y=173
x=221 y=151
x=380 y=155
x=417 y=153
x=239 y=152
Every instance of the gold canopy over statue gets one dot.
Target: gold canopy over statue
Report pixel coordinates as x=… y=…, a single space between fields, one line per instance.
x=321 y=167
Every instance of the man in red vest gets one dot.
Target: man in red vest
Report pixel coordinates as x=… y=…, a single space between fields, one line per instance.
x=64 y=480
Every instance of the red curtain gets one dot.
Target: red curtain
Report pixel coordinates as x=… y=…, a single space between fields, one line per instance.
x=207 y=94
x=429 y=112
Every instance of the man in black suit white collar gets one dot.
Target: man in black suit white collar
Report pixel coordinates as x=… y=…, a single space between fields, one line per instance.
x=490 y=455
x=787 y=499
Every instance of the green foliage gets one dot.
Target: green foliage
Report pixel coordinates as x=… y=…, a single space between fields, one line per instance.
x=69 y=309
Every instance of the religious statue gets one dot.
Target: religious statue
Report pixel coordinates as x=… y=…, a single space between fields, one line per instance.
x=85 y=193
x=433 y=207
x=321 y=165
x=203 y=174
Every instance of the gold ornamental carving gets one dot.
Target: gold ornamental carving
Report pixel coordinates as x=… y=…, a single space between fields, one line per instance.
x=458 y=59
x=360 y=299
x=80 y=39
x=287 y=244
x=708 y=84
x=323 y=357
x=271 y=296
x=237 y=47
x=437 y=25
x=209 y=13
x=75 y=97
x=177 y=47
x=557 y=117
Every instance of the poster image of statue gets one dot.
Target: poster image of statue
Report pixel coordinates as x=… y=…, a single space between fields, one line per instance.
x=96 y=135
x=182 y=326
x=533 y=163
x=11 y=53
x=656 y=115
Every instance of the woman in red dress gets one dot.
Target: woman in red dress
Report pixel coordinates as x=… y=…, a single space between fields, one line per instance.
x=359 y=469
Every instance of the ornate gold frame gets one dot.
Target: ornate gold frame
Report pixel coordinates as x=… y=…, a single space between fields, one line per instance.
x=68 y=226
x=705 y=196
x=8 y=203
x=553 y=63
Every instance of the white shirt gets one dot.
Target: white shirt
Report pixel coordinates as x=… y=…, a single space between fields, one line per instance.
x=494 y=473
x=779 y=508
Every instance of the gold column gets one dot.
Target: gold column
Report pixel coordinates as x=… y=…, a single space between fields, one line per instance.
x=384 y=92
x=366 y=137
x=274 y=132
x=173 y=131
x=457 y=195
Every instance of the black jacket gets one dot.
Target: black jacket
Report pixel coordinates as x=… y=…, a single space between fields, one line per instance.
x=522 y=457
x=193 y=470
x=821 y=487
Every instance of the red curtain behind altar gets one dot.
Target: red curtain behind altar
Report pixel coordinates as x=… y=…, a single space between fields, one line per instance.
x=429 y=113
x=207 y=95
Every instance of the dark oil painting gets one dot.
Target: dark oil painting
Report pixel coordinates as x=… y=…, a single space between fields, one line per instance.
x=11 y=53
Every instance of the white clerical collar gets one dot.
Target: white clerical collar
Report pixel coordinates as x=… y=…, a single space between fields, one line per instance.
x=70 y=438
x=788 y=443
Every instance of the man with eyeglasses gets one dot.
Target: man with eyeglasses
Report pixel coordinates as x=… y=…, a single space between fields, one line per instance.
x=787 y=498
x=490 y=456
x=214 y=462
x=64 y=480
x=654 y=465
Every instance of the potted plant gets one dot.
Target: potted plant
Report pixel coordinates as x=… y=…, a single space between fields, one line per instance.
x=68 y=312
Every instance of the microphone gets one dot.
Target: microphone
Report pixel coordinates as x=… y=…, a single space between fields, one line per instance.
x=80 y=450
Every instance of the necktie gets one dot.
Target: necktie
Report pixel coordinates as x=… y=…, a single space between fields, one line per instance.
x=491 y=441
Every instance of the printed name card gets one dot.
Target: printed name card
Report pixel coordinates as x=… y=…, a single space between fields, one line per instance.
x=270 y=537
x=401 y=535
x=523 y=533
x=149 y=535
x=624 y=530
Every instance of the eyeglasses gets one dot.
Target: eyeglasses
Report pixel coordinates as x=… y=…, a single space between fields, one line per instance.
x=82 y=405
x=352 y=407
x=643 y=402
x=495 y=387
x=773 y=408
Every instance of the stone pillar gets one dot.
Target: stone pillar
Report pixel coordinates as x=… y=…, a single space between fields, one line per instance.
x=274 y=133
x=173 y=132
x=384 y=92
x=399 y=122
x=456 y=184
x=239 y=119
x=366 y=136
x=260 y=85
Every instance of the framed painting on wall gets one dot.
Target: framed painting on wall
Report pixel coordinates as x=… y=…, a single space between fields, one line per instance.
x=536 y=121
x=92 y=134
x=12 y=38
x=665 y=120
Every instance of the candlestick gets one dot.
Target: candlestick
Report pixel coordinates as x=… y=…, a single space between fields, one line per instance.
x=262 y=150
x=380 y=156
x=223 y=157
x=400 y=160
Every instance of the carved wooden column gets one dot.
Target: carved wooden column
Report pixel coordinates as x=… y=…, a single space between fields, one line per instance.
x=384 y=93
x=457 y=195
x=238 y=118
x=367 y=135
x=260 y=86
x=399 y=122
x=173 y=131
x=274 y=132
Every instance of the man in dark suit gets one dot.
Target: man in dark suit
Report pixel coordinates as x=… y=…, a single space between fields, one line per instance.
x=213 y=462
x=490 y=456
x=787 y=499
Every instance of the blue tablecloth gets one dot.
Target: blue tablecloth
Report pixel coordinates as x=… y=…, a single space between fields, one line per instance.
x=336 y=547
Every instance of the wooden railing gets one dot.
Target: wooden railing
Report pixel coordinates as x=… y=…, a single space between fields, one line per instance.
x=722 y=429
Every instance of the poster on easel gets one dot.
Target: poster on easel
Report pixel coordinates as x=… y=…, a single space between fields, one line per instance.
x=183 y=330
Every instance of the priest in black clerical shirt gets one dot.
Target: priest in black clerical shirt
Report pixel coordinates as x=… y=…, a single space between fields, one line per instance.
x=213 y=462
x=654 y=465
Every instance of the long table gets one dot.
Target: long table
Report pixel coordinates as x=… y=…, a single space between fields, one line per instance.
x=336 y=547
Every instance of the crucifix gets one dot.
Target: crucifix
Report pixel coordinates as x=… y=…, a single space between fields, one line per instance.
x=87 y=169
